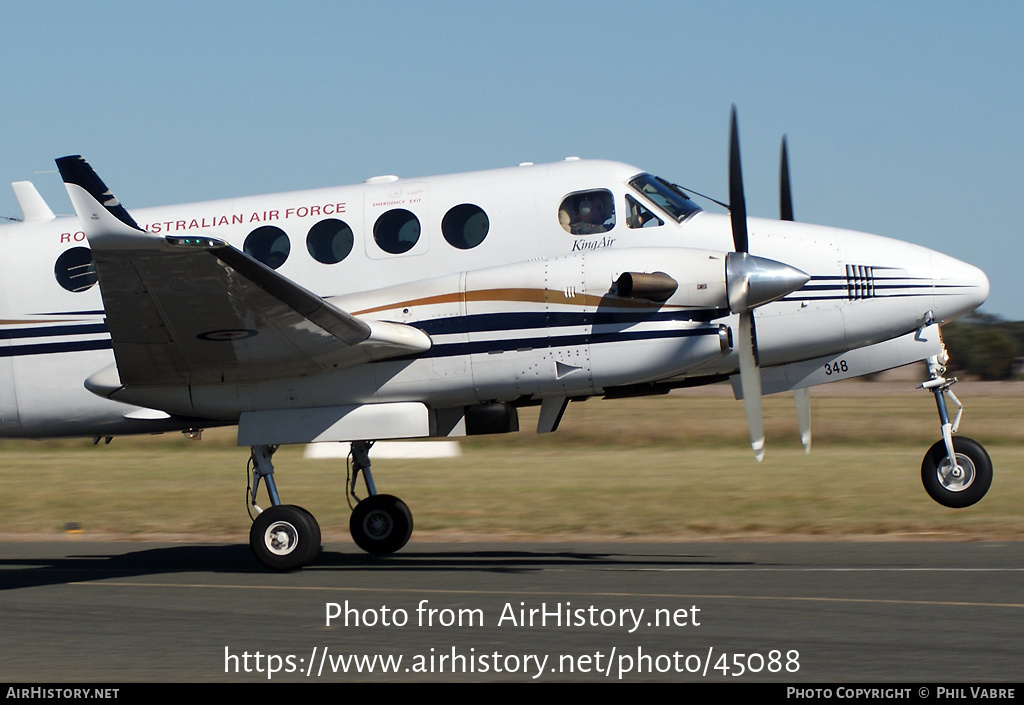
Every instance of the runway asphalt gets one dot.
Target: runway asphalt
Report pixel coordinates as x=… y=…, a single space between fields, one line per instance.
x=923 y=612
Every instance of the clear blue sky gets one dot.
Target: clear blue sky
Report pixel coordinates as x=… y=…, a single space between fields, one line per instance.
x=904 y=118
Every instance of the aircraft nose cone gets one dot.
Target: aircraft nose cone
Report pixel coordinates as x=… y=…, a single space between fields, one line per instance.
x=959 y=287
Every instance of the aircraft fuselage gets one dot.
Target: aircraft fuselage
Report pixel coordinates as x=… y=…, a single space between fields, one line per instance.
x=520 y=304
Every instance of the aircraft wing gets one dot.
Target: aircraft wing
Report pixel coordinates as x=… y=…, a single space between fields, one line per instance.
x=196 y=310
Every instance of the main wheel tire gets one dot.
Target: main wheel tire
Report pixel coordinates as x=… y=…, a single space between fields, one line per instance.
x=381 y=524
x=951 y=490
x=285 y=537
x=317 y=538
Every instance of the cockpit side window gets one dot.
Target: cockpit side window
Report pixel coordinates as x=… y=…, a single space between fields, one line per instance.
x=666 y=196
x=587 y=212
x=637 y=216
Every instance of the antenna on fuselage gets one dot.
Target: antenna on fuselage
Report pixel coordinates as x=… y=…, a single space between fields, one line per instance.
x=680 y=189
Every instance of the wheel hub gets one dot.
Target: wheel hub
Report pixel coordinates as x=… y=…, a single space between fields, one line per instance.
x=378 y=525
x=956 y=478
x=281 y=538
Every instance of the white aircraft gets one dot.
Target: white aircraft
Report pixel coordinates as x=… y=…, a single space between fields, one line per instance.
x=436 y=307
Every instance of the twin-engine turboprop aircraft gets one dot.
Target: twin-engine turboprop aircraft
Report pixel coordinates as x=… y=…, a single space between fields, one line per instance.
x=436 y=307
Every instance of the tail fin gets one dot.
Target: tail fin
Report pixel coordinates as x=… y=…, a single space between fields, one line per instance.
x=102 y=215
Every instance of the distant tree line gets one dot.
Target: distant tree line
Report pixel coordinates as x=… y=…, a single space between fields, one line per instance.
x=983 y=345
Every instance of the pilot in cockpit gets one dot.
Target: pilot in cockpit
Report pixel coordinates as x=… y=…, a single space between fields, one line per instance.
x=588 y=213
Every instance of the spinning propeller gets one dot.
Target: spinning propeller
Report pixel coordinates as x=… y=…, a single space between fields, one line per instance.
x=751 y=282
x=801 y=396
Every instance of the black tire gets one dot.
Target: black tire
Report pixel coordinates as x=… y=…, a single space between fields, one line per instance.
x=285 y=537
x=381 y=524
x=957 y=492
x=317 y=538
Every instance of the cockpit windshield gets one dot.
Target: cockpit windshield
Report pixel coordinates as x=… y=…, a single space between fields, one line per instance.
x=667 y=196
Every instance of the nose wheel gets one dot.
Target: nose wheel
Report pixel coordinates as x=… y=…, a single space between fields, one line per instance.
x=957 y=484
x=956 y=472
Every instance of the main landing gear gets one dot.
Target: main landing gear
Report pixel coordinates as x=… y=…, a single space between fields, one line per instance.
x=380 y=524
x=283 y=536
x=287 y=537
x=956 y=472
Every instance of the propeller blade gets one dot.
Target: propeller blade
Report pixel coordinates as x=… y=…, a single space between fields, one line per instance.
x=750 y=382
x=740 y=269
x=785 y=194
x=737 y=203
x=802 y=398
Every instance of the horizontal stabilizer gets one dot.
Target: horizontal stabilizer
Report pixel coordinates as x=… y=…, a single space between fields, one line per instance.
x=33 y=207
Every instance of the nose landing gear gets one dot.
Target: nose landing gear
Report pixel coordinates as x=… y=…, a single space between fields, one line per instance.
x=956 y=472
x=961 y=483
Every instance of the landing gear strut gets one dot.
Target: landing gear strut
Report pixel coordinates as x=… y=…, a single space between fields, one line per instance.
x=956 y=472
x=380 y=524
x=283 y=537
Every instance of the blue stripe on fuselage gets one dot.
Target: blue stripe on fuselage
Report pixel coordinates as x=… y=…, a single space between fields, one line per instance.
x=478 y=323
x=526 y=320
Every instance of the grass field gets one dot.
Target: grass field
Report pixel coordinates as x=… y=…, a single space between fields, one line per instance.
x=671 y=467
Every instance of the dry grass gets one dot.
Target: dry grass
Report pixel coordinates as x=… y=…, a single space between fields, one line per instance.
x=657 y=468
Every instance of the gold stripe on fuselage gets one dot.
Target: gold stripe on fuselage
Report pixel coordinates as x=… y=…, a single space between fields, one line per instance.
x=538 y=296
